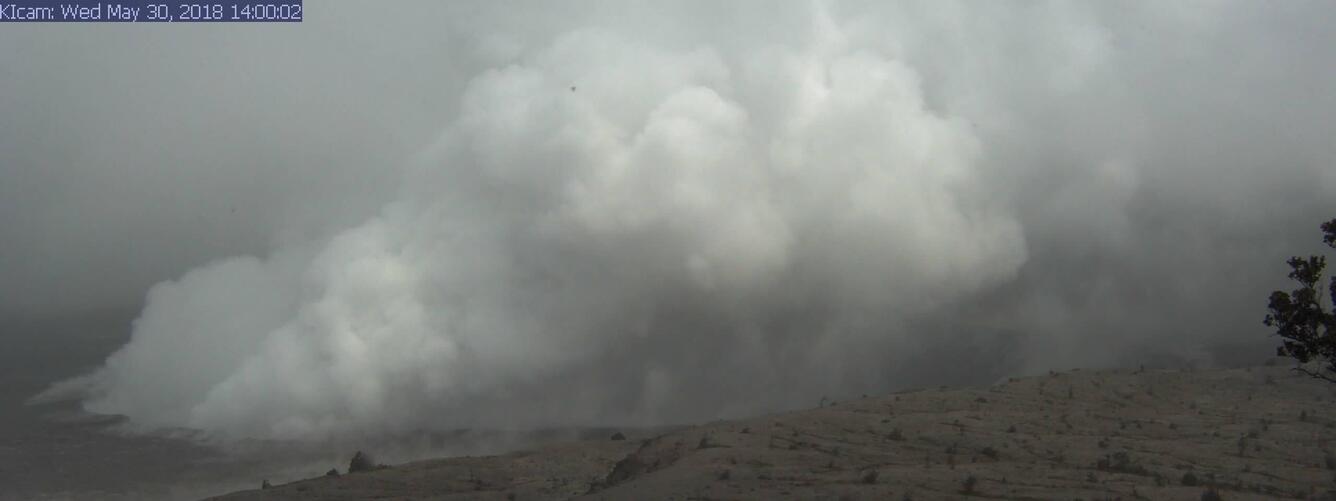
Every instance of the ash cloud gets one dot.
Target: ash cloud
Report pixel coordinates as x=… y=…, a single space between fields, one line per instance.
x=638 y=214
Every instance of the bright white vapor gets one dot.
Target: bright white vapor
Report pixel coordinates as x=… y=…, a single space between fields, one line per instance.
x=634 y=218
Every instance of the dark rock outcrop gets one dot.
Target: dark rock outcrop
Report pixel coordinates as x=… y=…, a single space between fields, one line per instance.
x=361 y=462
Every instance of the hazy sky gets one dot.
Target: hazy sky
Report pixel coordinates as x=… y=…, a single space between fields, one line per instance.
x=654 y=211
x=133 y=153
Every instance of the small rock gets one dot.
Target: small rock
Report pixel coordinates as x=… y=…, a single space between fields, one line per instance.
x=333 y=472
x=618 y=436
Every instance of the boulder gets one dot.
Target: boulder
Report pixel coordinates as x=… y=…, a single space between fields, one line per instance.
x=361 y=462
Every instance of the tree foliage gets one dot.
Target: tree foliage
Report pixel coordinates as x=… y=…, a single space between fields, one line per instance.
x=1306 y=327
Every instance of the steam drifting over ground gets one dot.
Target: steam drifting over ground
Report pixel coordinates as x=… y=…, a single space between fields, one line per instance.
x=658 y=215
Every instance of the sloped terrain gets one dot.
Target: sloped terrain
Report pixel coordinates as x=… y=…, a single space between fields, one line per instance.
x=1259 y=433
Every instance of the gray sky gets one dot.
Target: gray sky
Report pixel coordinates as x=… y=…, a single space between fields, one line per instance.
x=131 y=154
x=622 y=204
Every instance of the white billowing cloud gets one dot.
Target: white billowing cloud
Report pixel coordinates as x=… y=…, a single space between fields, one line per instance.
x=584 y=195
x=651 y=214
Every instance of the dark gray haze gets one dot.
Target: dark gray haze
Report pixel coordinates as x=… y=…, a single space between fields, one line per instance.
x=642 y=212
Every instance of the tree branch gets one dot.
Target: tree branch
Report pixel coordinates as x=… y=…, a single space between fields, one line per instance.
x=1315 y=374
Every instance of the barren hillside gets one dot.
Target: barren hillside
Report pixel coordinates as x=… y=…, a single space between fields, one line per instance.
x=1259 y=433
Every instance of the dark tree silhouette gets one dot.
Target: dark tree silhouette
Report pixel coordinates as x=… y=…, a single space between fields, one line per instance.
x=1307 y=328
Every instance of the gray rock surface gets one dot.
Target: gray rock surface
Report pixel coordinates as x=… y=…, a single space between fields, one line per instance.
x=1259 y=433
